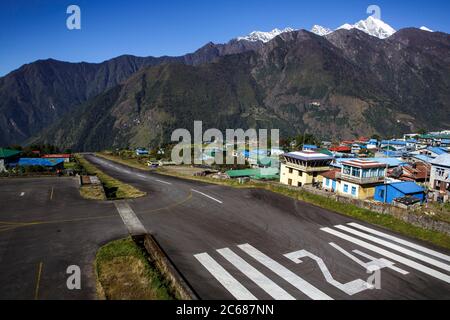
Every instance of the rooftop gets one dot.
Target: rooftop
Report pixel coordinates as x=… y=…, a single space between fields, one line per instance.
x=307 y=155
x=364 y=164
x=7 y=153
x=439 y=151
x=390 y=162
x=442 y=160
x=331 y=174
x=407 y=187
x=56 y=156
x=39 y=162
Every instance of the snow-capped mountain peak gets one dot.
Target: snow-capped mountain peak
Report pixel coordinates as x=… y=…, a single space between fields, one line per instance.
x=426 y=29
x=264 y=36
x=321 y=31
x=372 y=26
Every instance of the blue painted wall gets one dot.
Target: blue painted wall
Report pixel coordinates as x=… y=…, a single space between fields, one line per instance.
x=393 y=193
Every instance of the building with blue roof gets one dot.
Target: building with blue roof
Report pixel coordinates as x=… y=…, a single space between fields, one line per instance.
x=437 y=151
x=387 y=193
x=423 y=158
x=309 y=147
x=41 y=162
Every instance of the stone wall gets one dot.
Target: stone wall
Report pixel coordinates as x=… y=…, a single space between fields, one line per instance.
x=409 y=216
x=168 y=269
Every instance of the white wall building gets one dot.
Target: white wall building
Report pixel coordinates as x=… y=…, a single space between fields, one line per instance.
x=440 y=177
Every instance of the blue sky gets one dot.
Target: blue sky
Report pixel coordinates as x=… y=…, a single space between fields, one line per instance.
x=36 y=29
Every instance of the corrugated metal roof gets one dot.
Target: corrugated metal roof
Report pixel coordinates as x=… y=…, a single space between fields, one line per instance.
x=7 y=153
x=423 y=158
x=391 y=162
x=254 y=173
x=442 y=160
x=407 y=187
x=437 y=150
x=39 y=162
x=307 y=155
x=360 y=163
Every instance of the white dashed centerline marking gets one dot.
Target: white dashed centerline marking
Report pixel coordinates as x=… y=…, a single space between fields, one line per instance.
x=22 y=194
x=204 y=194
x=165 y=182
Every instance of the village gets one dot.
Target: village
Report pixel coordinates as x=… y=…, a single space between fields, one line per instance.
x=407 y=172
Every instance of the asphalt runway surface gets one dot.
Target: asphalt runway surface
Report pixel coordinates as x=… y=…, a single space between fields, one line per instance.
x=227 y=243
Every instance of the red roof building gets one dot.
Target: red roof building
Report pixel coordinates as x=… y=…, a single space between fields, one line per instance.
x=341 y=149
x=57 y=156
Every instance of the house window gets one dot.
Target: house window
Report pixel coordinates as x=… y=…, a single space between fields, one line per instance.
x=300 y=174
x=291 y=170
x=346 y=170
x=327 y=182
x=382 y=194
x=356 y=172
x=315 y=174
x=353 y=191
x=290 y=182
x=440 y=172
x=346 y=188
x=299 y=184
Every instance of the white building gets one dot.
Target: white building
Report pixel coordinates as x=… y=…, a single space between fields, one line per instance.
x=440 y=177
x=303 y=168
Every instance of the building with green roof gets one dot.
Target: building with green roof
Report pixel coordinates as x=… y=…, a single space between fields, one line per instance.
x=7 y=156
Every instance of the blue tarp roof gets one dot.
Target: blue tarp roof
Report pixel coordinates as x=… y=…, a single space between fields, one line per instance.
x=309 y=146
x=407 y=187
x=39 y=162
x=445 y=141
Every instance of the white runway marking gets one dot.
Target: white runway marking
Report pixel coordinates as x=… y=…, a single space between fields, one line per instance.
x=401 y=241
x=301 y=284
x=257 y=277
x=165 y=182
x=129 y=218
x=351 y=288
x=387 y=263
x=204 y=194
x=226 y=279
x=408 y=262
x=395 y=247
x=380 y=263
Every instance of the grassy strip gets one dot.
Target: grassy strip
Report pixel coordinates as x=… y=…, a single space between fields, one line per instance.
x=124 y=273
x=114 y=188
x=93 y=192
x=383 y=220
x=134 y=163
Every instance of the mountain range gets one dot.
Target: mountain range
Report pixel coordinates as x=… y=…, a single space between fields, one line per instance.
x=338 y=84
